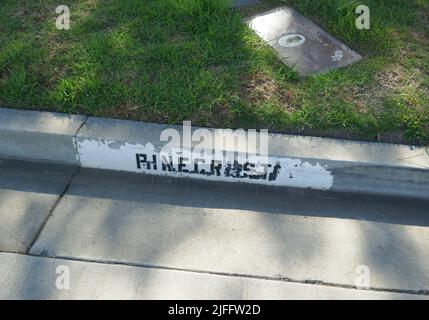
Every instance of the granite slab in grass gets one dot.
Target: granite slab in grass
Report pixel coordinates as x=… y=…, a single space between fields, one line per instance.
x=300 y=43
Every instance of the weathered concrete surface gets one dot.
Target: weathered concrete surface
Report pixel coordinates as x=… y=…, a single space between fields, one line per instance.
x=28 y=192
x=34 y=135
x=319 y=53
x=381 y=180
x=318 y=163
x=249 y=230
x=280 y=145
x=123 y=131
x=370 y=153
x=28 y=277
x=305 y=162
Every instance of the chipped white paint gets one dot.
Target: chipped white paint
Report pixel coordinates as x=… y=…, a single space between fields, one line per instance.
x=145 y=158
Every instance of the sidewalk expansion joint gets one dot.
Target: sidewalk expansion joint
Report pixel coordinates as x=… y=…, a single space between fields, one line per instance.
x=84 y=123
x=52 y=210
x=422 y=292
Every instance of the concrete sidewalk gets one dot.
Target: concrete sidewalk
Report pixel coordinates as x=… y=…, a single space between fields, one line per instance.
x=58 y=205
x=28 y=194
x=27 y=277
x=216 y=239
x=251 y=231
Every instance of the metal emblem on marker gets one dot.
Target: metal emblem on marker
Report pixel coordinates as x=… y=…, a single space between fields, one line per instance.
x=291 y=40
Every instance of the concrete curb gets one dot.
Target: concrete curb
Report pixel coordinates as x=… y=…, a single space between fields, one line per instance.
x=39 y=136
x=304 y=162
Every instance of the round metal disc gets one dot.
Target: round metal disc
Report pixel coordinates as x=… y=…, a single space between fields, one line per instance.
x=291 y=40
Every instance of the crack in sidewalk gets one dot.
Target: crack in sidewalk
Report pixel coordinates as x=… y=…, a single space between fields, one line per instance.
x=54 y=207
x=421 y=292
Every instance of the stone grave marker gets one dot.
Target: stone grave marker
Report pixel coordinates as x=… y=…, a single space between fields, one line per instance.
x=300 y=43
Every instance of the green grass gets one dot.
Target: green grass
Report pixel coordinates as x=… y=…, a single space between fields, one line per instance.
x=173 y=60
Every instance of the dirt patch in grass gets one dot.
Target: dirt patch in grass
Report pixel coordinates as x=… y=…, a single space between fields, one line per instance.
x=261 y=88
x=217 y=116
x=393 y=78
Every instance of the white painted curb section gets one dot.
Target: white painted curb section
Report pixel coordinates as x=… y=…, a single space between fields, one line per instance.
x=303 y=162
x=104 y=154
